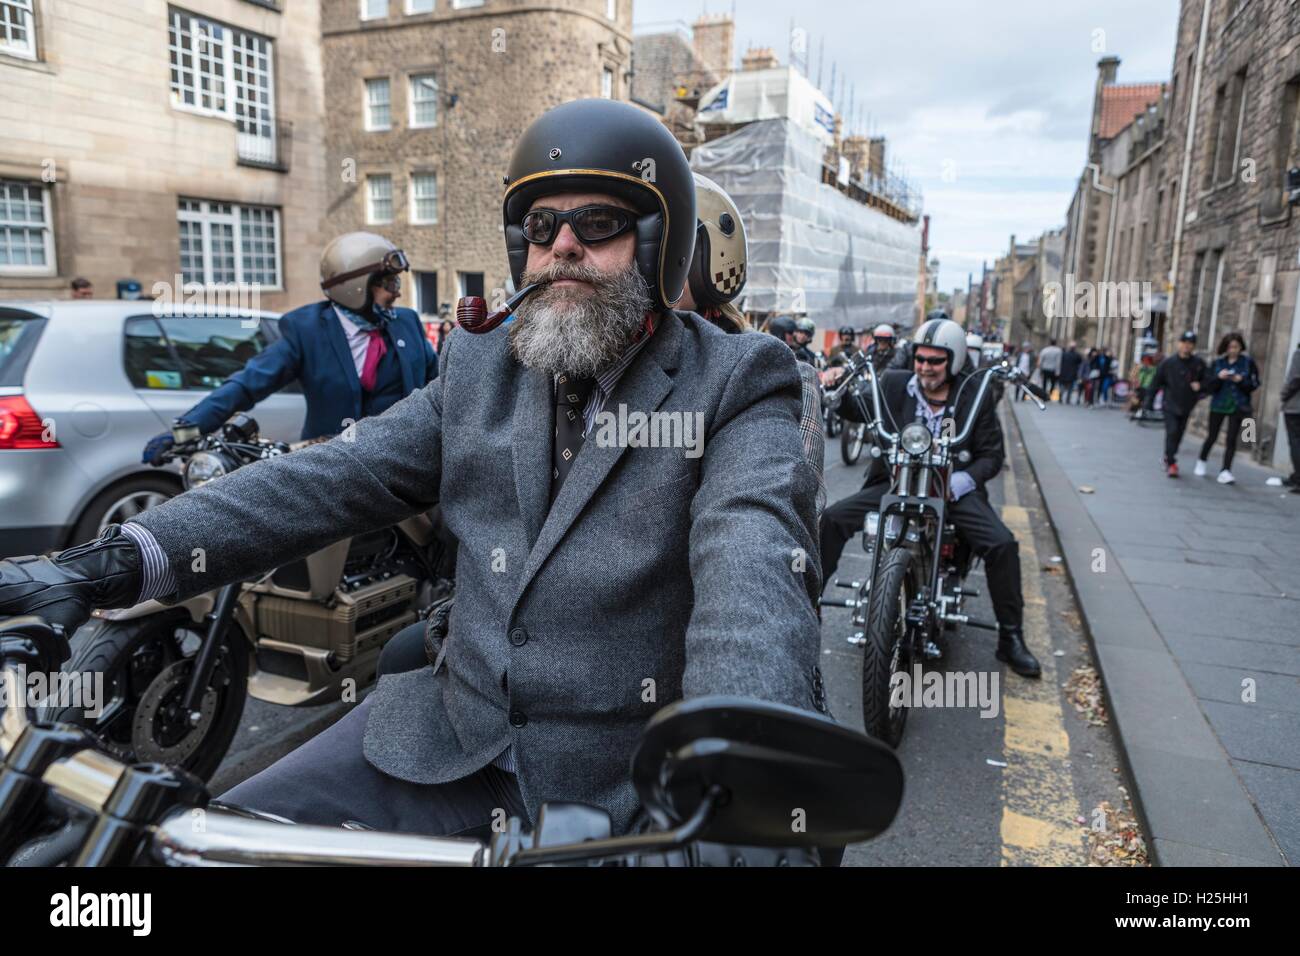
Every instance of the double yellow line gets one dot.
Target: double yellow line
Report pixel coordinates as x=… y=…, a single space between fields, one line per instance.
x=1039 y=807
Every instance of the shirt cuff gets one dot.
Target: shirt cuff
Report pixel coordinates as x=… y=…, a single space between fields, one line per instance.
x=156 y=575
x=962 y=483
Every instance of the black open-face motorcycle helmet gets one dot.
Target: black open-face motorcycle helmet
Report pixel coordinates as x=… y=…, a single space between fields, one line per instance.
x=609 y=147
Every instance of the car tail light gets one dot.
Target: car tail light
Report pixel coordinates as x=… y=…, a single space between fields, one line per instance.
x=20 y=426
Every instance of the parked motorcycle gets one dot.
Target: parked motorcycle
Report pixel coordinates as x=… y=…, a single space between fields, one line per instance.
x=722 y=781
x=916 y=586
x=176 y=678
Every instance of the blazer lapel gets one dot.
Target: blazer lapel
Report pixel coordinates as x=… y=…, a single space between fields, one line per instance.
x=339 y=344
x=643 y=388
x=531 y=447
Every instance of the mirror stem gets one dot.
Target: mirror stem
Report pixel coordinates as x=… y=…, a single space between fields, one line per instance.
x=663 y=842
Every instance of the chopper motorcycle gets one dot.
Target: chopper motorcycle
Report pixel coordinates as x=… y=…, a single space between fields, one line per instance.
x=916 y=586
x=176 y=678
x=716 y=777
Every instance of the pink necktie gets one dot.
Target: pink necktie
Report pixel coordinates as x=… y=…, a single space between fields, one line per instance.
x=375 y=350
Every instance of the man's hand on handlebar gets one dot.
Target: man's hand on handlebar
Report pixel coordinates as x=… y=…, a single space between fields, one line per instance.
x=66 y=588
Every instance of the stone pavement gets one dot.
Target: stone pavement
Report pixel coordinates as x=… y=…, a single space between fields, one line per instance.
x=1191 y=593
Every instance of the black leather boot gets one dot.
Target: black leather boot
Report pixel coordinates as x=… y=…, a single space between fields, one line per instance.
x=1012 y=650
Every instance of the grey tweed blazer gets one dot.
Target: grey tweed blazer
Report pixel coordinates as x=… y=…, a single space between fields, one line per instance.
x=656 y=575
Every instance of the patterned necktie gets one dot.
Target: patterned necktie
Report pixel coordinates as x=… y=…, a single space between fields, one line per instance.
x=571 y=396
x=375 y=350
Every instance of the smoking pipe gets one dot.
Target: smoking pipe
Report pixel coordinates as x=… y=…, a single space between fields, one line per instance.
x=471 y=310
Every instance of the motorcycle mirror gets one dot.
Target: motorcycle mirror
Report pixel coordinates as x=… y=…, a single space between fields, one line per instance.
x=787 y=777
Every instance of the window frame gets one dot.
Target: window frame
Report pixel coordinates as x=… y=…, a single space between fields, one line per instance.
x=49 y=242
x=206 y=218
x=361 y=11
x=368 y=106
x=607 y=73
x=412 y=214
x=29 y=51
x=465 y=4
x=370 y=200
x=412 y=13
x=411 y=101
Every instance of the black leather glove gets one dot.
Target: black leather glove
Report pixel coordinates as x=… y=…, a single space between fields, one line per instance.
x=103 y=573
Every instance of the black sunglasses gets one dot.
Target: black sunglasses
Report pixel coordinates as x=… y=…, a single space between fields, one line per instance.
x=590 y=224
x=930 y=359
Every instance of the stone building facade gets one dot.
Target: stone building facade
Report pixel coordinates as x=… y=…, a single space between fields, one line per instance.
x=1237 y=267
x=145 y=140
x=422 y=114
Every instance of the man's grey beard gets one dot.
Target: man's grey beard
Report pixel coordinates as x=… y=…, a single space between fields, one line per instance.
x=559 y=330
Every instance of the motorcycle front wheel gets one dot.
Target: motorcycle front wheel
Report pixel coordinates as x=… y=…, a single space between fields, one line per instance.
x=885 y=650
x=851 y=442
x=135 y=707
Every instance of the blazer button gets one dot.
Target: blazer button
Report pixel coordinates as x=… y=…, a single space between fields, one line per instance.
x=519 y=637
x=518 y=718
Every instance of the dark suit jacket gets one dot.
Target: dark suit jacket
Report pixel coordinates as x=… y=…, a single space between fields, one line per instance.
x=984 y=442
x=314 y=350
x=655 y=574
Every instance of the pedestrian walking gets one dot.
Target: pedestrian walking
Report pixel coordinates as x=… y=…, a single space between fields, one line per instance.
x=1291 y=413
x=1107 y=366
x=1049 y=364
x=1180 y=375
x=1092 y=377
x=1231 y=379
x=1071 y=361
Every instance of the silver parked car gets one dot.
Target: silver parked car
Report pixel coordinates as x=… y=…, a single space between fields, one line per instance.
x=85 y=384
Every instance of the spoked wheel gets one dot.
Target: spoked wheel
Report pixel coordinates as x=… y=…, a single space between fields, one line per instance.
x=145 y=664
x=885 y=650
x=851 y=442
x=833 y=424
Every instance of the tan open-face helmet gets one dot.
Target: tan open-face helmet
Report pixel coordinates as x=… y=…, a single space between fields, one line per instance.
x=350 y=263
x=718 y=267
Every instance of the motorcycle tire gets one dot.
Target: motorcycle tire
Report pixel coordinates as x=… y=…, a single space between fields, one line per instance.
x=851 y=443
x=833 y=424
x=884 y=651
x=113 y=647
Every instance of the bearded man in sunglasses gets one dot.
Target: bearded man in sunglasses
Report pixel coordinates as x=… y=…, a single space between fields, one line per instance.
x=355 y=353
x=932 y=391
x=605 y=569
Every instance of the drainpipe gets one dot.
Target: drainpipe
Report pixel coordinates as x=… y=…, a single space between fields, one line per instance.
x=1110 y=238
x=1187 y=156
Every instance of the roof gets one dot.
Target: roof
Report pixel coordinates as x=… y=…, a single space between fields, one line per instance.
x=1121 y=102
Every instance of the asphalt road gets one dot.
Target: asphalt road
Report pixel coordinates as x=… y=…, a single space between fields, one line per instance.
x=987 y=791
x=983 y=791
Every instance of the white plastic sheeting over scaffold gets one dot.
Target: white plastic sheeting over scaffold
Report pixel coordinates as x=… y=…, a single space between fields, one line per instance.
x=812 y=250
x=781 y=92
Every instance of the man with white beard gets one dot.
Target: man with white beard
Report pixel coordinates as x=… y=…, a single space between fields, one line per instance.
x=595 y=584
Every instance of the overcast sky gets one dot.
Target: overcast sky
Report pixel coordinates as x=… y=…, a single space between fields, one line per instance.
x=986 y=105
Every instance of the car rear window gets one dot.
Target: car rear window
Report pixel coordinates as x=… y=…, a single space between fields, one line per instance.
x=200 y=352
x=19 y=332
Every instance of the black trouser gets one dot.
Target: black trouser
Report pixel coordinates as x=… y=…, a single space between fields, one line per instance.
x=328 y=781
x=977 y=523
x=1049 y=383
x=1292 y=420
x=1217 y=419
x=1067 y=389
x=1175 y=425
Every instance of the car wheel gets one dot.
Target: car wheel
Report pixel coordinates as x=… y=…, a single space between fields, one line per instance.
x=120 y=502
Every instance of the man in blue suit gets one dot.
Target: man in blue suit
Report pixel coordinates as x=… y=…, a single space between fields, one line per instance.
x=354 y=353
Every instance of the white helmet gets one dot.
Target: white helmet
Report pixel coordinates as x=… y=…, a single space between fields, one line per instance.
x=943 y=334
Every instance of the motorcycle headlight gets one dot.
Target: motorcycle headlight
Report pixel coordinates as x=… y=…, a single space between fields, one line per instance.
x=203 y=467
x=916 y=439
